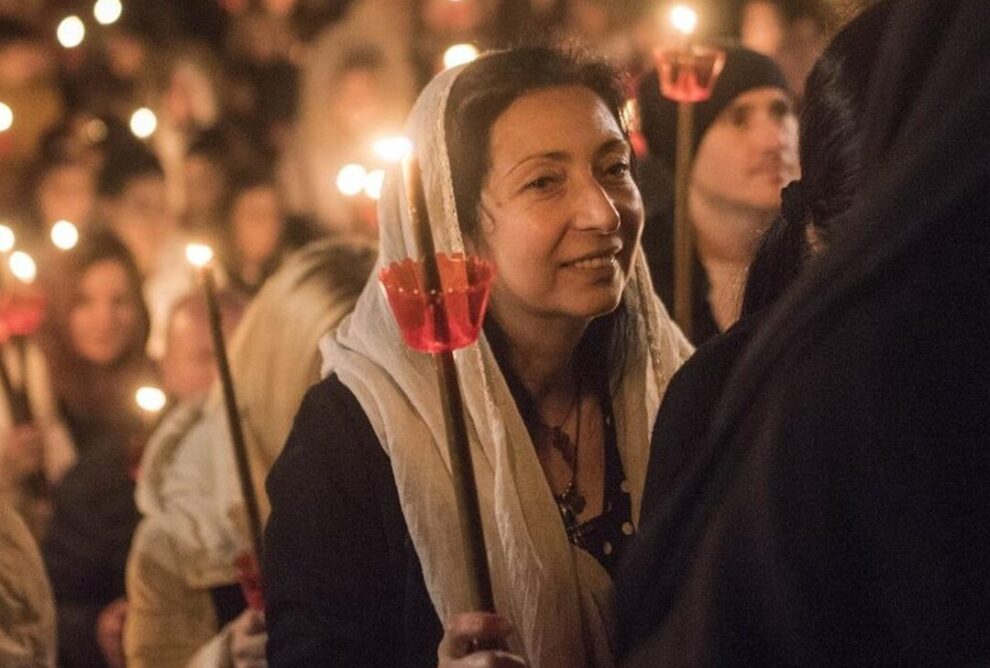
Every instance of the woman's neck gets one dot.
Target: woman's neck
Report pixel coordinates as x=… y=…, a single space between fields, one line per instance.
x=540 y=351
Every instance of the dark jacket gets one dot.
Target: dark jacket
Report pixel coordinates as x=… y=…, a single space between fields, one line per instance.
x=343 y=584
x=837 y=511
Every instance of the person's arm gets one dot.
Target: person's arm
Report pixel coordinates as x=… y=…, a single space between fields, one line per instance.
x=168 y=621
x=331 y=594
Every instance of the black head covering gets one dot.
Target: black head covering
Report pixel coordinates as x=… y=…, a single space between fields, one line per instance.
x=744 y=71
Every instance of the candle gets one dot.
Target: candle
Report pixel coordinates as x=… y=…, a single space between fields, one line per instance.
x=687 y=75
x=459 y=447
x=6 y=117
x=150 y=399
x=352 y=179
x=64 y=235
x=392 y=149
x=71 y=32
x=143 y=123
x=106 y=12
x=201 y=257
x=459 y=54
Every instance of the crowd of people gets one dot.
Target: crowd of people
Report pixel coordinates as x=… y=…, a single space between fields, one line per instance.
x=797 y=477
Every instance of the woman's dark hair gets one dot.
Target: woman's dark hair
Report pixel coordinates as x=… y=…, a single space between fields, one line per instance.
x=480 y=94
x=100 y=245
x=88 y=392
x=831 y=156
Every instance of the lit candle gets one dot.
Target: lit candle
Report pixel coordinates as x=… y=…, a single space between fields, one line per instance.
x=687 y=75
x=6 y=117
x=143 y=123
x=71 y=32
x=201 y=257
x=64 y=235
x=106 y=12
x=150 y=399
x=459 y=54
x=352 y=179
x=22 y=266
x=392 y=149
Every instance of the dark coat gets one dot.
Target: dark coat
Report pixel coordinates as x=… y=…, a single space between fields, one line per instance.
x=343 y=584
x=838 y=510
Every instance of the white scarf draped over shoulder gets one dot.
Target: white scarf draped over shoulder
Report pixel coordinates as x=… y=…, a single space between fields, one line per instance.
x=556 y=595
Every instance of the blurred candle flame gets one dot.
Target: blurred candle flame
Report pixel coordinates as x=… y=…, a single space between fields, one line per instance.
x=199 y=255
x=392 y=149
x=459 y=54
x=71 y=32
x=143 y=123
x=107 y=11
x=22 y=266
x=6 y=117
x=64 y=235
x=373 y=184
x=684 y=19
x=7 y=239
x=352 y=179
x=150 y=399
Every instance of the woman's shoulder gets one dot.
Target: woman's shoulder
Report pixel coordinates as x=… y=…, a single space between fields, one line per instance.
x=332 y=442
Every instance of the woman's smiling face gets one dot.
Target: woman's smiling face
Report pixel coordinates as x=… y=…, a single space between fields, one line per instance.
x=560 y=214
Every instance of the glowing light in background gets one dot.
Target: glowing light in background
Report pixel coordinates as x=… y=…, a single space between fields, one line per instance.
x=150 y=399
x=23 y=267
x=684 y=19
x=374 y=183
x=352 y=179
x=7 y=239
x=64 y=234
x=199 y=255
x=107 y=11
x=459 y=54
x=144 y=123
x=392 y=149
x=6 y=117
x=71 y=32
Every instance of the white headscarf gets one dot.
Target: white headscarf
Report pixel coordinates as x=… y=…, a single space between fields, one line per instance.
x=554 y=593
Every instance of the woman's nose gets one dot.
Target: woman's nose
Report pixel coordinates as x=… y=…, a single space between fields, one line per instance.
x=596 y=209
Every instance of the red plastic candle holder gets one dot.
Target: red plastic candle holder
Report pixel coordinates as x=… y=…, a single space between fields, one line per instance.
x=688 y=74
x=249 y=577
x=21 y=312
x=444 y=321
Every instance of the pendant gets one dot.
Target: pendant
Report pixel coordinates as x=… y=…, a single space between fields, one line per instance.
x=571 y=503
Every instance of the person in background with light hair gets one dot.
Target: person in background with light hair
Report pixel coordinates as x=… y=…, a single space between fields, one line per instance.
x=185 y=604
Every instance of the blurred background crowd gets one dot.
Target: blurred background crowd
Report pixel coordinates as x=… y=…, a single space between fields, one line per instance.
x=131 y=127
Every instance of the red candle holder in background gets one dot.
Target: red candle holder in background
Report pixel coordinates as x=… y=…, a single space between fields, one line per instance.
x=436 y=323
x=249 y=577
x=22 y=311
x=688 y=74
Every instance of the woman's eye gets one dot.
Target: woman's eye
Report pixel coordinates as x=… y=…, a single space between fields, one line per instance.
x=541 y=183
x=618 y=170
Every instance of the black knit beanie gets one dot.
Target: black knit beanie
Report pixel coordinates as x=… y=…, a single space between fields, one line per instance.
x=744 y=70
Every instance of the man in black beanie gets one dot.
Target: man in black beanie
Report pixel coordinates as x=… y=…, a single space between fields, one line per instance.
x=745 y=141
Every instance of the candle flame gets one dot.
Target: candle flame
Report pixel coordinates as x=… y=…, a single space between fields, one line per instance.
x=6 y=117
x=459 y=54
x=71 y=32
x=65 y=236
x=22 y=266
x=144 y=123
x=374 y=183
x=199 y=255
x=107 y=12
x=150 y=399
x=684 y=19
x=352 y=179
x=7 y=239
x=392 y=149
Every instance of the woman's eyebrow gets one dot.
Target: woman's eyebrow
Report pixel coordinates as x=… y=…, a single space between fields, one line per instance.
x=556 y=156
x=612 y=145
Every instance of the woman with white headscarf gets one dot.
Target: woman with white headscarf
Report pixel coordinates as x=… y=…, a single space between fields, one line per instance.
x=525 y=162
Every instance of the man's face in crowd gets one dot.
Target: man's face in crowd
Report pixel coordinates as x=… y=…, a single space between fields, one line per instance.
x=749 y=152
